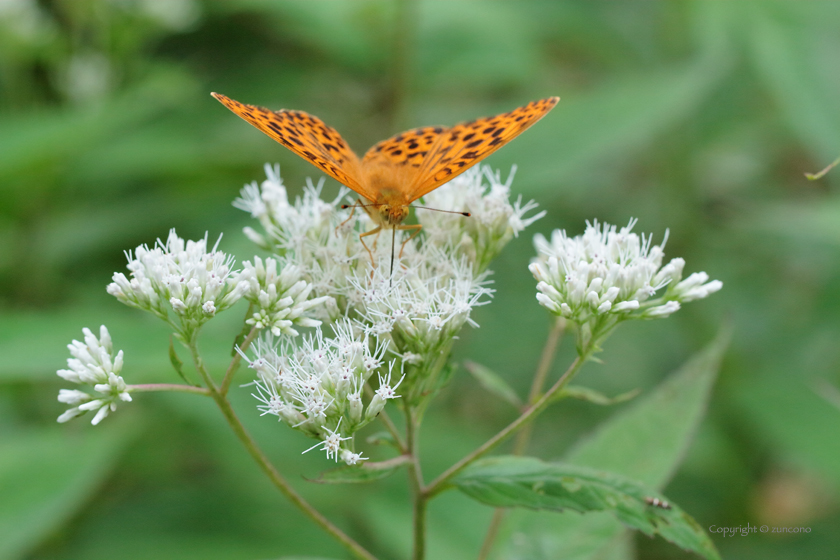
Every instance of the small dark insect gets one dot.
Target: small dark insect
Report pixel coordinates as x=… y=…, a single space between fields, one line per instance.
x=656 y=502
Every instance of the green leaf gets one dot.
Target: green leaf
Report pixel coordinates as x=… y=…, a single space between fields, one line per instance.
x=593 y=396
x=382 y=438
x=303 y=558
x=617 y=119
x=360 y=474
x=176 y=361
x=647 y=441
x=47 y=475
x=791 y=59
x=644 y=441
x=528 y=482
x=492 y=383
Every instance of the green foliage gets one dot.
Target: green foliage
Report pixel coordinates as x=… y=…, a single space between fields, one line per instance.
x=644 y=442
x=590 y=395
x=696 y=116
x=360 y=474
x=47 y=476
x=493 y=383
x=531 y=483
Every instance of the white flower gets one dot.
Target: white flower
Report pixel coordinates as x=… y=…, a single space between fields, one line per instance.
x=93 y=364
x=195 y=281
x=608 y=274
x=493 y=220
x=319 y=385
x=331 y=444
x=280 y=299
x=382 y=395
x=351 y=458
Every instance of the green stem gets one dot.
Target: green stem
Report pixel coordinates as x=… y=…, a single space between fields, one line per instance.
x=543 y=369
x=439 y=484
x=357 y=550
x=523 y=438
x=389 y=425
x=415 y=477
x=237 y=358
x=150 y=387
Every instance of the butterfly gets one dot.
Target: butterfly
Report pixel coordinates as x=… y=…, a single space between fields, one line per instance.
x=397 y=171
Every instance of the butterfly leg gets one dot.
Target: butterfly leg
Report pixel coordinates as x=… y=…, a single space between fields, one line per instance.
x=416 y=228
x=363 y=235
x=352 y=211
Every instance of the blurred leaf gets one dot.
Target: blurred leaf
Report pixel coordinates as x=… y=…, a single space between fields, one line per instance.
x=809 y=222
x=382 y=438
x=806 y=434
x=593 y=396
x=349 y=32
x=31 y=141
x=46 y=475
x=36 y=343
x=645 y=441
x=621 y=117
x=528 y=482
x=799 y=67
x=493 y=383
x=302 y=558
x=357 y=474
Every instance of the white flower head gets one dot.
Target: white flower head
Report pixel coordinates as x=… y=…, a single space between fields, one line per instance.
x=383 y=394
x=331 y=443
x=318 y=385
x=196 y=281
x=493 y=219
x=281 y=300
x=420 y=308
x=610 y=274
x=93 y=364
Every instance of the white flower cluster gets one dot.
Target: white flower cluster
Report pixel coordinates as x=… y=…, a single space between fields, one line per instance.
x=93 y=364
x=280 y=299
x=317 y=236
x=186 y=277
x=420 y=310
x=607 y=275
x=493 y=220
x=318 y=387
x=414 y=310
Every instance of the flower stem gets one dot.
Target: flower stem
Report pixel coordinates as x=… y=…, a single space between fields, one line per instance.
x=357 y=550
x=415 y=478
x=523 y=438
x=151 y=387
x=439 y=484
x=237 y=358
x=389 y=425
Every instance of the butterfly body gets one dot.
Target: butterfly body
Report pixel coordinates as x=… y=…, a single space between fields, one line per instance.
x=397 y=171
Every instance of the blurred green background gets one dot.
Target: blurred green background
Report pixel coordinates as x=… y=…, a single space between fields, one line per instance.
x=700 y=117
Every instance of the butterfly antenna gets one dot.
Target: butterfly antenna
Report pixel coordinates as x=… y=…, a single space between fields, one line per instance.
x=393 y=243
x=467 y=214
x=346 y=206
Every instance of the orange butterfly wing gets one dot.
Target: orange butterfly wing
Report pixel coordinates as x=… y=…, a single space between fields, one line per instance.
x=394 y=164
x=462 y=146
x=308 y=137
